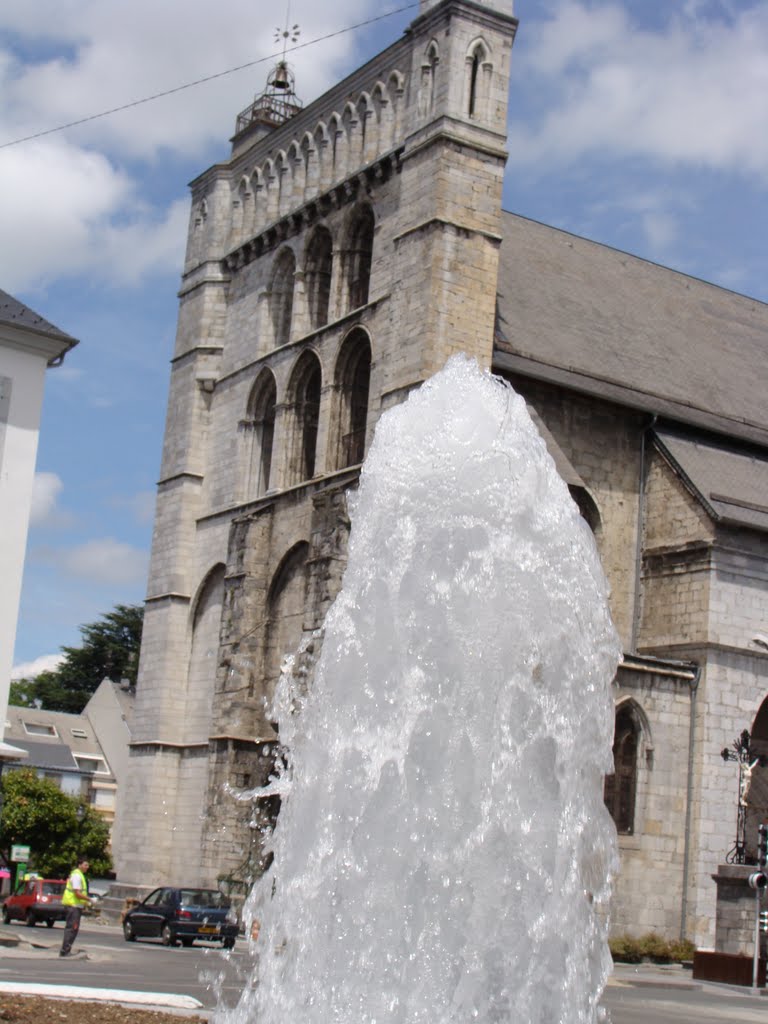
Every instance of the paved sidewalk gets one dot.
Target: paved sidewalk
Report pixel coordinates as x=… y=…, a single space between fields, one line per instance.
x=674 y=976
x=15 y=943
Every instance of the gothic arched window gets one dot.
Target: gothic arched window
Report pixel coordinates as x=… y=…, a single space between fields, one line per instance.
x=204 y=651
x=285 y=613
x=353 y=376
x=281 y=297
x=304 y=397
x=478 y=80
x=317 y=274
x=260 y=427
x=621 y=787
x=359 y=255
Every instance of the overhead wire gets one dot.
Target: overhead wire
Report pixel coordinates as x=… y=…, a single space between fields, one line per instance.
x=209 y=78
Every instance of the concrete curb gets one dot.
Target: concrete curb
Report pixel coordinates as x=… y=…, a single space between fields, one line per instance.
x=108 y=995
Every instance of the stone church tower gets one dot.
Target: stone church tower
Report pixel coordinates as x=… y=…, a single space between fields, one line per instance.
x=334 y=262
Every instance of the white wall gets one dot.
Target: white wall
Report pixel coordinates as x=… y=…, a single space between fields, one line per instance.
x=24 y=356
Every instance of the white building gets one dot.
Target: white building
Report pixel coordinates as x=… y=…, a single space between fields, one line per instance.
x=28 y=345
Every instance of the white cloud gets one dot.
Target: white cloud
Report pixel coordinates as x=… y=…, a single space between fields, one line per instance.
x=88 y=213
x=104 y=561
x=30 y=669
x=46 y=489
x=692 y=92
x=84 y=191
x=113 y=53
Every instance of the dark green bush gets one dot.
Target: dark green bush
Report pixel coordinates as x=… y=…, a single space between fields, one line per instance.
x=629 y=949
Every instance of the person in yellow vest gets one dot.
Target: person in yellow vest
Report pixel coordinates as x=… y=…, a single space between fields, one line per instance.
x=75 y=899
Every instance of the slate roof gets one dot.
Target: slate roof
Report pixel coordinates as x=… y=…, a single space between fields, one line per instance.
x=73 y=733
x=14 y=312
x=47 y=755
x=731 y=484
x=605 y=323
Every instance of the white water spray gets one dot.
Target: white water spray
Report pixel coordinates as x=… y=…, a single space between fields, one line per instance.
x=443 y=850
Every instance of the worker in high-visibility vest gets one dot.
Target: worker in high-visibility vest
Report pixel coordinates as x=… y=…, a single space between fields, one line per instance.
x=75 y=899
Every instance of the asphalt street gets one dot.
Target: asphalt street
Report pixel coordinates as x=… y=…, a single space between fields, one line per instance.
x=635 y=995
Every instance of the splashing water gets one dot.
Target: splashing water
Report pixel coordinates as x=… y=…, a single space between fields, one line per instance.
x=443 y=852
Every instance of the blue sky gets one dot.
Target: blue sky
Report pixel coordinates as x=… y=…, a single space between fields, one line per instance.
x=638 y=123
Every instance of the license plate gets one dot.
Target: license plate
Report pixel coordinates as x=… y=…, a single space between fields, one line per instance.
x=208 y=929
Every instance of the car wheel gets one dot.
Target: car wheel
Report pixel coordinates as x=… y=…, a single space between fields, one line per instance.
x=30 y=919
x=229 y=943
x=49 y=922
x=168 y=938
x=187 y=942
x=128 y=933
x=6 y=915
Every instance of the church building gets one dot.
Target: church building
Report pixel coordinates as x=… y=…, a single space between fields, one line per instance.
x=334 y=262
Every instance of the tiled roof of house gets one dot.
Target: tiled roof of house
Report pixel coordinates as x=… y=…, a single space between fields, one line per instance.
x=731 y=484
x=605 y=323
x=14 y=312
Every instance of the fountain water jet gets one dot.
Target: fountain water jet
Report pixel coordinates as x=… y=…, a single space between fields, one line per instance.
x=443 y=850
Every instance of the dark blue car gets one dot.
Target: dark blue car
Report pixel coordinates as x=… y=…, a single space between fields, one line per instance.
x=182 y=915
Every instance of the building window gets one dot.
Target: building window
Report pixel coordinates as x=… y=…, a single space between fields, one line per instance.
x=353 y=376
x=81 y=734
x=260 y=434
x=318 y=276
x=359 y=256
x=286 y=601
x=88 y=763
x=281 y=297
x=305 y=400
x=39 y=729
x=621 y=787
x=478 y=80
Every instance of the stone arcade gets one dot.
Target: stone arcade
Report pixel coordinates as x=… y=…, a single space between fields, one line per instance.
x=334 y=262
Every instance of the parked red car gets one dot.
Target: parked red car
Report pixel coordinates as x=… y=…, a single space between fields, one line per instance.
x=38 y=900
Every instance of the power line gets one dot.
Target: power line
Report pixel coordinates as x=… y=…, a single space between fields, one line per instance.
x=208 y=78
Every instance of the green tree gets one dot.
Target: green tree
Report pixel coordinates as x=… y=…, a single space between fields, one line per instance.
x=56 y=827
x=110 y=647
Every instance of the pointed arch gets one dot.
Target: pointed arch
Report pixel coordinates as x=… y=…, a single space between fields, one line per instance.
x=382 y=109
x=259 y=433
x=396 y=89
x=631 y=735
x=317 y=275
x=366 y=126
x=286 y=601
x=350 y=121
x=311 y=170
x=272 y=190
x=478 y=79
x=205 y=625
x=358 y=255
x=304 y=407
x=338 y=147
x=284 y=182
x=323 y=151
x=352 y=380
x=281 y=296
x=428 y=78
x=241 y=210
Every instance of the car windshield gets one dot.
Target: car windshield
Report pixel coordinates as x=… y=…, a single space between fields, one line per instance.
x=53 y=888
x=203 y=898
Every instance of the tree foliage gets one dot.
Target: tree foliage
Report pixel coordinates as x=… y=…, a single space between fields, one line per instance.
x=110 y=647
x=56 y=827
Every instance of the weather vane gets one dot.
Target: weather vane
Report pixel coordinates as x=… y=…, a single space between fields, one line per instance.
x=287 y=34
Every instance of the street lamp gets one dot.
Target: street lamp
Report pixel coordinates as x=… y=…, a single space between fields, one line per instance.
x=747 y=761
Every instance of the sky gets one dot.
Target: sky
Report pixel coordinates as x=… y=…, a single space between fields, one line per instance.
x=638 y=123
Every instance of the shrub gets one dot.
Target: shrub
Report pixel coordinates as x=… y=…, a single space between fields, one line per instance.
x=629 y=949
